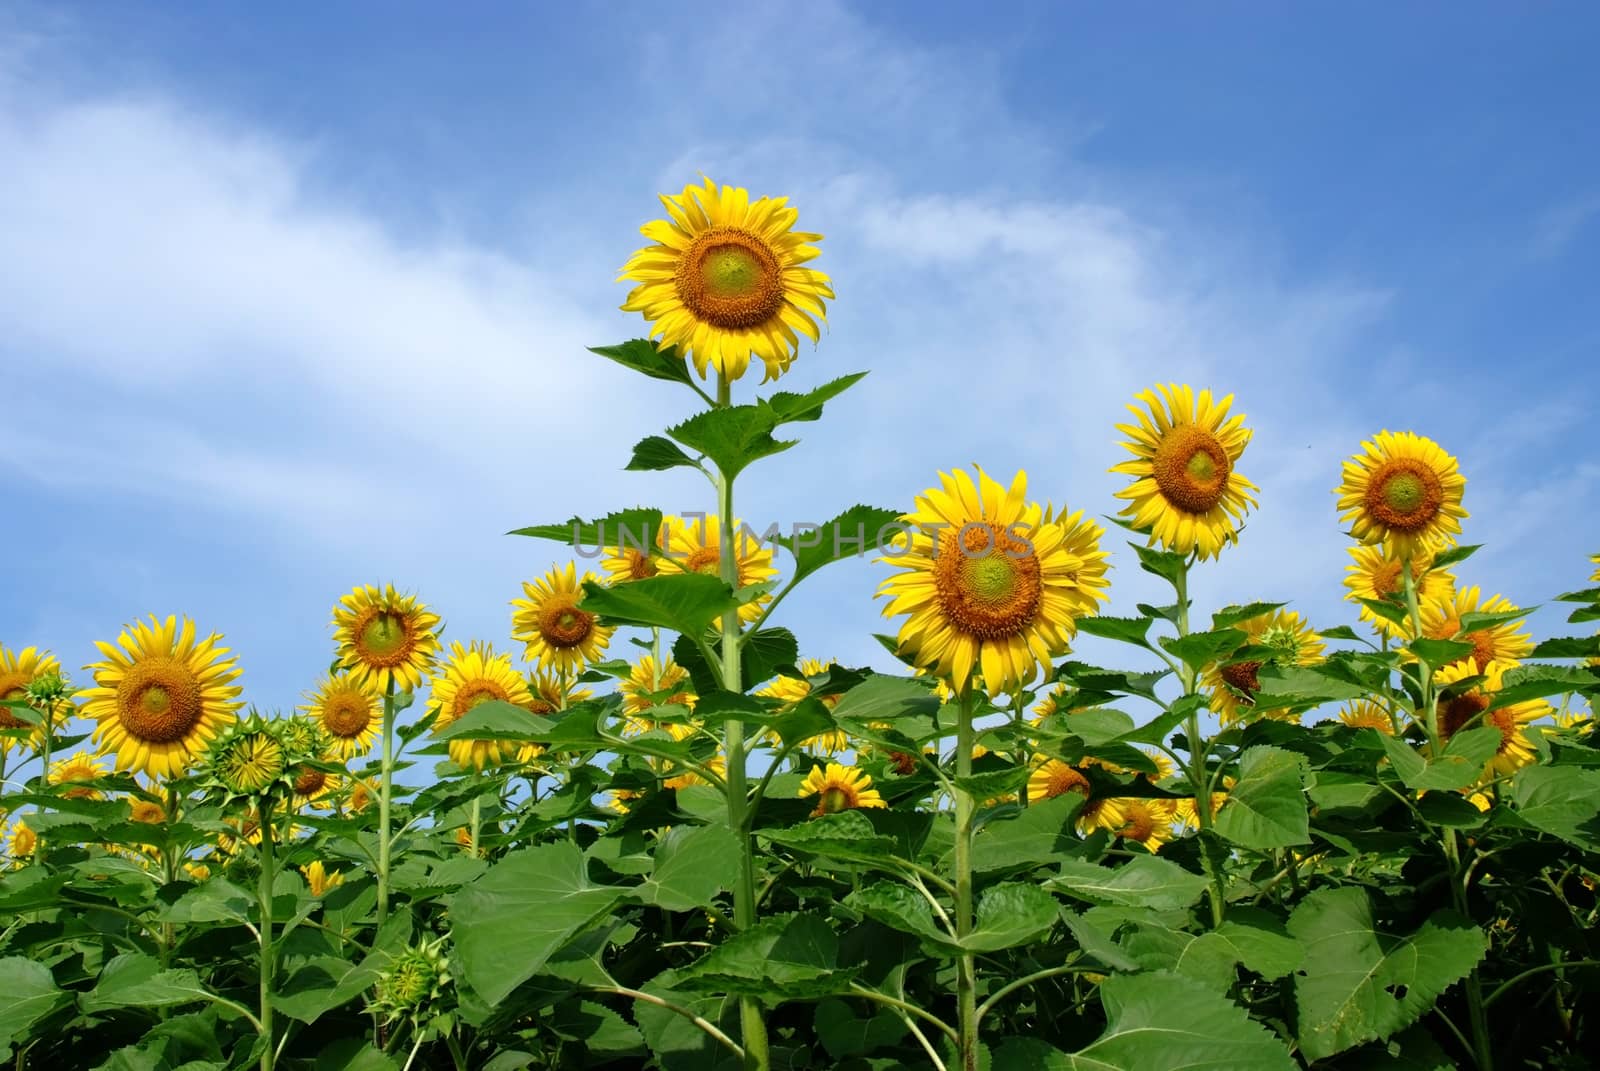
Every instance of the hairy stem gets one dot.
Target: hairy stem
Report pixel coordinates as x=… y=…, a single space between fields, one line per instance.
x=385 y=793
x=269 y=873
x=1217 y=892
x=966 y=965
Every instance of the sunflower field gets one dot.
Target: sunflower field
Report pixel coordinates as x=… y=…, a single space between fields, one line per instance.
x=652 y=832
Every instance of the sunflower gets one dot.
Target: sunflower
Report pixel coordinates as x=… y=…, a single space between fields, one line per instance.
x=1187 y=815
x=695 y=546
x=319 y=879
x=1402 y=491
x=1595 y=579
x=559 y=635
x=625 y=563
x=791 y=690
x=1185 y=493
x=363 y=791
x=147 y=811
x=621 y=800
x=1053 y=778
x=197 y=871
x=349 y=711
x=1497 y=645
x=21 y=841
x=839 y=788
x=312 y=787
x=648 y=687
x=725 y=279
x=1233 y=685
x=993 y=584
x=251 y=758
x=718 y=764
x=1365 y=714
x=476 y=675
x=1375 y=574
x=17 y=672
x=385 y=639
x=160 y=697
x=1464 y=709
x=1148 y=821
x=76 y=769
x=552 y=693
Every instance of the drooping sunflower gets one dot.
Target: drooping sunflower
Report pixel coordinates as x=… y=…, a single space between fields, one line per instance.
x=695 y=546
x=17 y=671
x=385 y=638
x=474 y=675
x=791 y=690
x=1403 y=491
x=1458 y=709
x=1232 y=686
x=725 y=279
x=20 y=841
x=1376 y=574
x=350 y=712
x=1365 y=714
x=160 y=697
x=1501 y=645
x=993 y=584
x=76 y=770
x=839 y=788
x=319 y=879
x=1185 y=493
x=559 y=635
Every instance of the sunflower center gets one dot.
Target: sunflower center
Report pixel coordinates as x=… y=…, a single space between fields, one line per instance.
x=347 y=716
x=474 y=692
x=543 y=706
x=1140 y=824
x=1066 y=779
x=383 y=638
x=731 y=278
x=1405 y=494
x=988 y=586
x=1457 y=712
x=1243 y=677
x=12 y=686
x=834 y=800
x=308 y=781
x=704 y=560
x=640 y=566
x=564 y=625
x=1191 y=468
x=158 y=701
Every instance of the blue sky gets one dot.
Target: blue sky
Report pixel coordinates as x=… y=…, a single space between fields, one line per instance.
x=289 y=304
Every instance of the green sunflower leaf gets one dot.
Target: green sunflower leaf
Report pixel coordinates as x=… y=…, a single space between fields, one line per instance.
x=683 y=602
x=1200 y=649
x=787 y=406
x=656 y=454
x=1454 y=556
x=1126 y=629
x=733 y=436
x=648 y=357
x=1266 y=809
x=630 y=528
x=858 y=531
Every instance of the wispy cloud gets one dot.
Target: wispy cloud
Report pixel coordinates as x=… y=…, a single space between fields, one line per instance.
x=1559 y=226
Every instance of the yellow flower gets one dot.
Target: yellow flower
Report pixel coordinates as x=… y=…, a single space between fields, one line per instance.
x=476 y=675
x=1470 y=709
x=17 y=671
x=791 y=690
x=349 y=711
x=312 y=787
x=621 y=799
x=1501 y=645
x=319 y=879
x=385 y=638
x=75 y=770
x=197 y=871
x=1187 y=815
x=1232 y=687
x=552 y=693
x=839 y=788
x=1148 y=821
x=148 y=811
x=1186 y=493
x=718 y=764
x=694 y=545
x=1595 y=579
x=363 y=792
x=647 y=688
x=993 y=585
x=1375 y=574
x=160 y=697
x=1403 y=491
x=1053 y=778
x=1365 y=714
x=724 y=279
x=559 y=635
x=625 y=563
x=21 y=841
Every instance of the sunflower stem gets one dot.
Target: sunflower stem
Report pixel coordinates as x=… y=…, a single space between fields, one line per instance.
x=966 y=964
x=1217 y=893
x=268 y=879
x=477 y=815
x=385 y=789
x=752 y=1024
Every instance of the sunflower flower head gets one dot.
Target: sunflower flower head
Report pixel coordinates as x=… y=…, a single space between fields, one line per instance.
x=1187 y=493
x=414 y=984
x=1472 y=706
x=319 y=879
x=1378 y=574
x=475 y=675
x=385 y=639
x=252 y=759
x=560 y=635
x=724 y=278
x=1365 y=714
x=993 y=585
x=22 y=675
x=839 y=788
x=694 y=545
x=20 y=842
x=349 y=710
x=1404 y=492
x=73 y=775
x=1232 y=686
x=1503 y=645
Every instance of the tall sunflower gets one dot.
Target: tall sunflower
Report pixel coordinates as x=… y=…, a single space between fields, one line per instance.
x=1186 y=493
x=1375 y=574
x=348 y=710
x=1460 y=709
x=385 y=638
x=695 y=546
x=160 y=696
x=1502 y=645
x=1146 y=820
x=1403 y=491
x=791 y=690
x=839 y=788
x=725 y=279
x=475 y=675
x=559 y=635
x=17 y=671
x=1232 y=686
x=993 y=584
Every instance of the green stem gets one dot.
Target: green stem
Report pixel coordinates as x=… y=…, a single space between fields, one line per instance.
x=753 y=1026
x=1217 y=892
x=385 y=794
x=1503 y=987
x=966 y=964
x=269 y=873
x=47 y=730
x=477 y=816
x=1027 y=980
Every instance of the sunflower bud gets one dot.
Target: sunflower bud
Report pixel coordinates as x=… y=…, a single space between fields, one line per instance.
x=413 y=985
